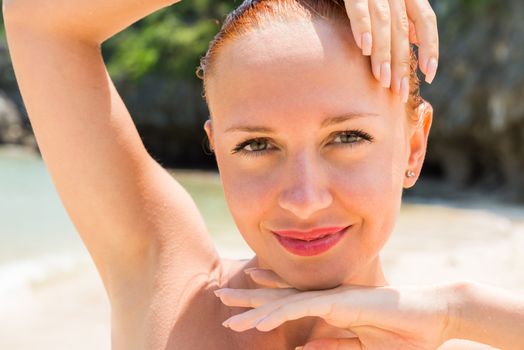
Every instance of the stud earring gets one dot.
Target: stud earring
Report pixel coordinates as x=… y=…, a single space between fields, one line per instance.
x=410 y=174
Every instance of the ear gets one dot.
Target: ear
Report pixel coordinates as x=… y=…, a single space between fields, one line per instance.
x=418 y=142
x=208 y=127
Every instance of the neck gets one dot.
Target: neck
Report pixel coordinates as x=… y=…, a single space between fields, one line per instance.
x=372 y=275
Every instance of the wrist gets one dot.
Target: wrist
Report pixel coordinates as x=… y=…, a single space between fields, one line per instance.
x=456 y=296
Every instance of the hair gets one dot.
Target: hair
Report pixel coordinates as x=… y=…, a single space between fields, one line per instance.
x=255 y=14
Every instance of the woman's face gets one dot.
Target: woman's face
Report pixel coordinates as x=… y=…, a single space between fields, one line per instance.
x=305 y=138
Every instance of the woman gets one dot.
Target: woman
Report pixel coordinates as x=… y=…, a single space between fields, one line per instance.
x=313 y=154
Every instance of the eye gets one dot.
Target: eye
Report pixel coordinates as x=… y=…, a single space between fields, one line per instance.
x=256 y=145
x=351 y=137
x=253 y=147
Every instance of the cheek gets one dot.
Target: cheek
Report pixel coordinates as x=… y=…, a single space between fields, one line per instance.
x=247 y=192
x=371 y=189
x=376 y=179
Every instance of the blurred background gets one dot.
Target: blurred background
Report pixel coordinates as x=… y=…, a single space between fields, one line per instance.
x=464 y=220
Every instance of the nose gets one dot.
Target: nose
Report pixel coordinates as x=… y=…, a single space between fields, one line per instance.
x=305 y=190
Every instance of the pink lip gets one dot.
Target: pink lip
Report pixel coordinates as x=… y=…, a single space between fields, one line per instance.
x=309 y=235
x=310 y=243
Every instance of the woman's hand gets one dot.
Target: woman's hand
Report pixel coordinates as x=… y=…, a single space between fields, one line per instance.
x=383 y=29
x=384 y=317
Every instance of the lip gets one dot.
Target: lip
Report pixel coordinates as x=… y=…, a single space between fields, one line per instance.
x=311 y=234
x=310 y=243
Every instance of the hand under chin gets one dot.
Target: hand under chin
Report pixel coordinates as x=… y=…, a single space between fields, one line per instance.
x=324 y=330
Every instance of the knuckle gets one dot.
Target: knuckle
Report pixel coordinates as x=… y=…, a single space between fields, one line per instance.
x=401 y=24
x=360 y=8
x=381 y=12
x=403 y=66
x=429 y=17
x=359 y=14
x=362 y=21
x=382 y=17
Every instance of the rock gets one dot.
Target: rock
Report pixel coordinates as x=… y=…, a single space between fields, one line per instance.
x=11 y=126
x=478 y=131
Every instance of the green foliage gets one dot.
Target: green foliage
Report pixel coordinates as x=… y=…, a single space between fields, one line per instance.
x=456 y=17
x=468 y=10
x=2 y=29
x=169 y=42
x=478 y=5
x=7 y=76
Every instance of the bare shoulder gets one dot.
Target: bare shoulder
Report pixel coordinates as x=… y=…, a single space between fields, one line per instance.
x=200 y=310
x=171 y=305
x=462 y=344
x=178 y=317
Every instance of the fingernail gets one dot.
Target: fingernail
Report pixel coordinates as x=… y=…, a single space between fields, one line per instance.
x=423 y=64
x=219 y=292
x=299 y=348
x=227 y=323
x=431 y=70
x=396 y=84
x=366 y=44
x=404 y=89
x=375 y=68
x=385 y=74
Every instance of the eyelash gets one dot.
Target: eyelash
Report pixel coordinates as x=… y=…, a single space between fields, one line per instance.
x=361 y=136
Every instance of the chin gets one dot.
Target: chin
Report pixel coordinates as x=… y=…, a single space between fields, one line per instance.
x=314 y=280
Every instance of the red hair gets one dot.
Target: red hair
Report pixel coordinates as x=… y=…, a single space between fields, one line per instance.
x=253 y=14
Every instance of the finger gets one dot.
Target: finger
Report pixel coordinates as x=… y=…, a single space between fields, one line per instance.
x=331 y=308
x=341 y=307
x=425 y=22
x=266 y=278
x=400 y=49
x=381 y=31
x=333 y=344
x=412 y=33
x=251 y=297
x=358 y=13
x=249 y=319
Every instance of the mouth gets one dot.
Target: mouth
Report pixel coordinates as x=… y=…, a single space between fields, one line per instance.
x=310 y=243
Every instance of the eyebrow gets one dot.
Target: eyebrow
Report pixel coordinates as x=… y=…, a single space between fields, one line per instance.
x=330 y=121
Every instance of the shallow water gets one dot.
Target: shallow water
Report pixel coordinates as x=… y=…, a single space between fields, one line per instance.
x=38 y=242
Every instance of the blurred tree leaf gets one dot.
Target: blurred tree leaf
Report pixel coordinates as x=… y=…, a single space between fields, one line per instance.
x=168 y=42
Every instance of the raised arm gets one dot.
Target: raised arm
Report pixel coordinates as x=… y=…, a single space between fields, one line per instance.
x=132 y=216
x=92 y=21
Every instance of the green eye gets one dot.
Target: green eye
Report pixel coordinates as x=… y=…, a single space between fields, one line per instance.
x=351 y=138
x=256 y=146
x=253 y=147
x=348 y=138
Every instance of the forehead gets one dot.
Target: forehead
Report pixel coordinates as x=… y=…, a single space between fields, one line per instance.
x=292 y=69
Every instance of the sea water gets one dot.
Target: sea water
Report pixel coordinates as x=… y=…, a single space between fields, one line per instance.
x=38 y=242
